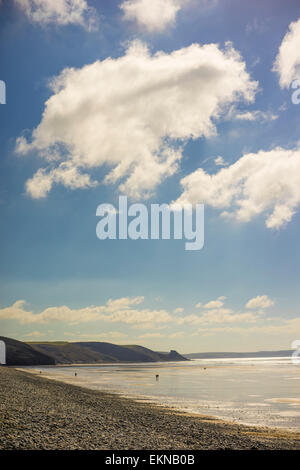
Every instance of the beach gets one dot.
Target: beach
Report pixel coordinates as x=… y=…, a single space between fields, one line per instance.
x=255 y=392
x=38 y=413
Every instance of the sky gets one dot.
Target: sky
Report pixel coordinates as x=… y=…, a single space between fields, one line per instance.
x=168 y=101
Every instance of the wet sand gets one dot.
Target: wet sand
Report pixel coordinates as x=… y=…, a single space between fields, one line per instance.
x=39 y=413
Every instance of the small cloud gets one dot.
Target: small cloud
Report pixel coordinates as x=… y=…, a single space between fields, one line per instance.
x=151 y=335
x=256 y=26
x=287 y=63
x=60 y=12
x=219 y=161
x=179 y=334
x=153 y=16
x=219 y=316
x=35 y=334
x=178 y=310
x=283 y=107
x=96 y=336
x=214 y=304
x=256 y=61
x=261 y=301
x=256 y=116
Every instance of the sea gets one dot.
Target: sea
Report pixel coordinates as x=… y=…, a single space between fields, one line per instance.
x=256 y=391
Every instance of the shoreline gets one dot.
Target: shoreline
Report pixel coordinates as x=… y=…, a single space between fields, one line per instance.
x=144 y=399
x=42 y=413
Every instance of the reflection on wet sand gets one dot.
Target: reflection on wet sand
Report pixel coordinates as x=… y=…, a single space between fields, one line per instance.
x=256 y=391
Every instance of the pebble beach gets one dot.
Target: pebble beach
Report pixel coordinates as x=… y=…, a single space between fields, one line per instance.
x=39 y=413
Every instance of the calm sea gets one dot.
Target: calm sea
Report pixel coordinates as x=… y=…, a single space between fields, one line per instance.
x=260 y=391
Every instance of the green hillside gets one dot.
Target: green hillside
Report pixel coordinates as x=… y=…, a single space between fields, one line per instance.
x=69 y=353
x=99 y=352
x=22 y=354
x=61 y=352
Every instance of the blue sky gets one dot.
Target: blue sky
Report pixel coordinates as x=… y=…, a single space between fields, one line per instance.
x=50 y=255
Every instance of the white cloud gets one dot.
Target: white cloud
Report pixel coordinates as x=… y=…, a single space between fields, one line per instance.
x=267 y=182
x=147 y=325
x=126 y=310
x=114 y=311
x=60 y=12
x=40 y=184
x=132 y=114
x=151 y=335
x=236 y=114
x=155 y=15
x=112 y=335
x=178 y=310
x=177 y=335
x=261 y=301
x=214 y=304
x=255 y=116
x=219 y=161
x=287 y=63
x=35 y=334
x=257 y=26
x=219 y=315
x=218 y=303
x=280 y=328
x=215 y=312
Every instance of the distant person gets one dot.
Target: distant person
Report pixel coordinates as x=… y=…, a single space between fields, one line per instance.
x=75 y=374
x=157 y=377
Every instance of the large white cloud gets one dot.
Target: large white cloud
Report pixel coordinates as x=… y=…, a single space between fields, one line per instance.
x=267 y=182
x=128 y=311
x=132 y=114
x=154 y=15
x=122 y=310
x=287 y=63
x=60 y=12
